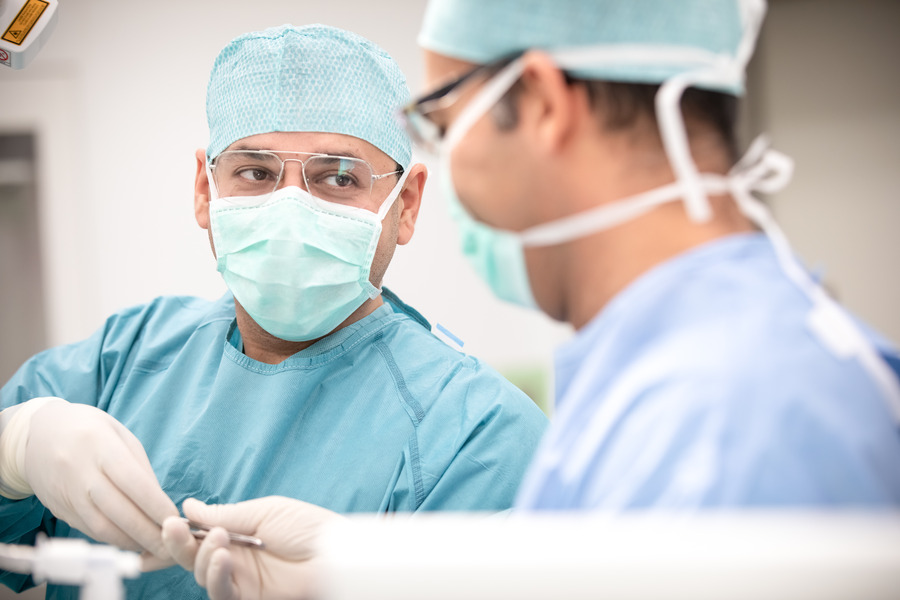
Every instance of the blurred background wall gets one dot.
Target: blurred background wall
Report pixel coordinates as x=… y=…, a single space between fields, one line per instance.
x=104 y=123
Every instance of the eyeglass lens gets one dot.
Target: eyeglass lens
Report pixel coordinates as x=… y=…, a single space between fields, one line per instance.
x=424 y=131
x=333 y=178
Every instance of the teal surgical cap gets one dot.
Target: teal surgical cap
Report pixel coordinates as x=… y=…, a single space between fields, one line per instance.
x=480 y=31
x=312 y=78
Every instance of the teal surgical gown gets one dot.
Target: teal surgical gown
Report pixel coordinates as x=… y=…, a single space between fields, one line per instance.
x=379 y=416
x=701 y=385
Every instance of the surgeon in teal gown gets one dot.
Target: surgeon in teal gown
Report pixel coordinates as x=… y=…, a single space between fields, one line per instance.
x=377 y=416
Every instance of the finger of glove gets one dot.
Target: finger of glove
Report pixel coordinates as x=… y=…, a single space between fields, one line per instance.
x=134 y=445
x=239 y=518
x=137 y=480
x=90 y=519
x=179 y=542
x=120 y=508
x=216 y=538
x=149 y=562
x=219 y=576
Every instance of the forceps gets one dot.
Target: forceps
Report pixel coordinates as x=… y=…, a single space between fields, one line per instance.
x=199 y=531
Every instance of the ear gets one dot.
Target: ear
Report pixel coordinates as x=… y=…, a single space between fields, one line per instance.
x=201 y=190
x=411 y=199
x=549 y=106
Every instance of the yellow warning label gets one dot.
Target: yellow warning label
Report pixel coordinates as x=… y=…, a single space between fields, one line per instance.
x=22 y=25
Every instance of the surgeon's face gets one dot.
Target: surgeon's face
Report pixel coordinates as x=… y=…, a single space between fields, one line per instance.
x=489 y=165
x=508 y=174
x=398 y=224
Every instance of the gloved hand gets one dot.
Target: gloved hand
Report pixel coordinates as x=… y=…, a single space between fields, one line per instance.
x=91 y=472
x=286 y=568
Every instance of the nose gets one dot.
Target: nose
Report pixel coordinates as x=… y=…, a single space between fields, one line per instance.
x=292 y=174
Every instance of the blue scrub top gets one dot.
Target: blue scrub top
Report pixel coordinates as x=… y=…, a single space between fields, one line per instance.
x=379 y=416
x=701 y=385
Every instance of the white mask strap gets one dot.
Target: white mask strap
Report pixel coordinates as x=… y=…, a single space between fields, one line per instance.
x=392 y=197
x=759 y=171
x=600 y=218
x=487 y=97
x=213 y=192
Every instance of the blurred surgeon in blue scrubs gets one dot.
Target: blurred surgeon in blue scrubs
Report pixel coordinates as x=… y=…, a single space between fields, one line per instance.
x=589 y=160
x=307 y=380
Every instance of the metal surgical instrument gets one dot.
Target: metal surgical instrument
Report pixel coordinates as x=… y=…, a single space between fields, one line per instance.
x=200 y=531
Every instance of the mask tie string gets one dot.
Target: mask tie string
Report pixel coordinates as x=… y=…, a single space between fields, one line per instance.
x=767 y=171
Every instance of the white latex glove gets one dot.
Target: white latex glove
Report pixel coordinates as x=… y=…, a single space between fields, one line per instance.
x=286 y=568
x=91 y=472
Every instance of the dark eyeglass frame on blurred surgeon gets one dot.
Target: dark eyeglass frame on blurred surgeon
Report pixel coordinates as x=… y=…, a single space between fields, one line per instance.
x=423 y=130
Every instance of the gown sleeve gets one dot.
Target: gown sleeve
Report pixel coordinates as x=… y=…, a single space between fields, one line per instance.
x=495 y=447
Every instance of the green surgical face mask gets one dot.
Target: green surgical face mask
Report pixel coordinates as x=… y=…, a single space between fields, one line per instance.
x=298 y=265
x=496 y=255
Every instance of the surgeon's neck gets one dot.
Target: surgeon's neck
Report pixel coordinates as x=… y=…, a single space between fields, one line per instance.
x=589 y=272
x=262 y=346
x=605 y=264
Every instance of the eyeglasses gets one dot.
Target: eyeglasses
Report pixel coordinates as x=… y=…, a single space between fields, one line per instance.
x=258 y=172
x=415 y=115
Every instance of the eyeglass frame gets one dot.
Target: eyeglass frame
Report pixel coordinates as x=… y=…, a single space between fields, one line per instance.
x=276 y=153
x=447 y=94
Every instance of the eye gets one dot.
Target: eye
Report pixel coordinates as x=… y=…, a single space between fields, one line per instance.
x=254 y=174
x=338 y=174
x=340 y=180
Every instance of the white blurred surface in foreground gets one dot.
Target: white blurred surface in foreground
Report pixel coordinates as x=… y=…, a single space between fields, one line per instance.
x=715 y=555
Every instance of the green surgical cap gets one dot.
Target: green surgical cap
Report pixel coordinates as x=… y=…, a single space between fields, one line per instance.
x=312 y=78
x=480 y=31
